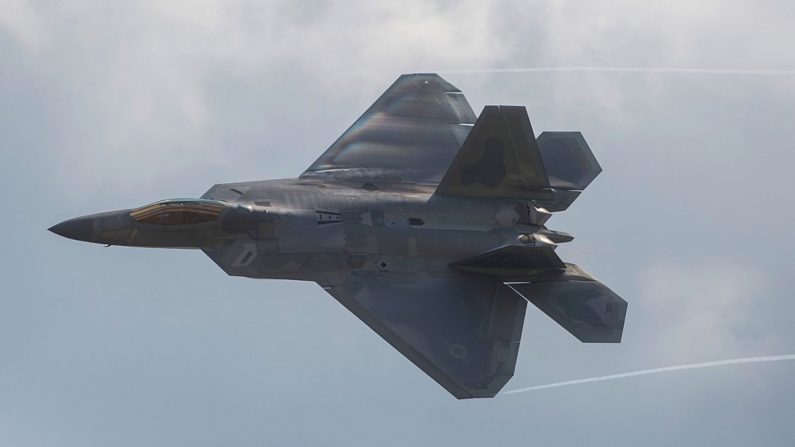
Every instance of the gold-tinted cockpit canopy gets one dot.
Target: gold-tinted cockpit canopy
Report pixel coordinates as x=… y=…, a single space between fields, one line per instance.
x=179 y=212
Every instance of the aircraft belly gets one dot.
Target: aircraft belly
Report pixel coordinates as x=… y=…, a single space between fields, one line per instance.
x=411 y=242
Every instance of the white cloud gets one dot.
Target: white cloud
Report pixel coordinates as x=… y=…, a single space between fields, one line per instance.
x=138 y=75
x=703 y=311
x=20 y=20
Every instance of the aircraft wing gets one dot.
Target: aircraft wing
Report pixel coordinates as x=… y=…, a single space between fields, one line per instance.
x=463 y=330
x=410 y=134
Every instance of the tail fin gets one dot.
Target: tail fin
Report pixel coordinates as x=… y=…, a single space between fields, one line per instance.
x=499 y=158
x=502 y=158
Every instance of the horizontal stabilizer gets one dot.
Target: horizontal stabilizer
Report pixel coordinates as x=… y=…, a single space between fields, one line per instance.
x=568 y=161
x=583 y=306
x=570 y=167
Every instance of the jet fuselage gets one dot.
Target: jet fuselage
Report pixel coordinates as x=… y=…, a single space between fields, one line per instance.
x=320 y=231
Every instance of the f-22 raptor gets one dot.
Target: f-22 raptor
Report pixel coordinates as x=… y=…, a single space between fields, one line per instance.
x=425 y=221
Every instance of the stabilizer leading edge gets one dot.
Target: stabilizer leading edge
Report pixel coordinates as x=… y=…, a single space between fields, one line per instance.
x=574 y=299
x=585 y=307
x=570 y=166
x=568 y=161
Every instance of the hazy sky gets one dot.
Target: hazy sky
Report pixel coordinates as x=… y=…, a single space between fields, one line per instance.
x=108 y=105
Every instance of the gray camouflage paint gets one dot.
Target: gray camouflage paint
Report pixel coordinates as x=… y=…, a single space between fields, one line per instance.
x=424 y=222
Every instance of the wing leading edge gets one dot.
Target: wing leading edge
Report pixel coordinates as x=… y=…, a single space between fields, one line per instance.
x=462 y=330
x=409 y=135
x=420 y=131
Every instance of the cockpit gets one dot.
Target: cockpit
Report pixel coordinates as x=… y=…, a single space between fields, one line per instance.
x=179 y=212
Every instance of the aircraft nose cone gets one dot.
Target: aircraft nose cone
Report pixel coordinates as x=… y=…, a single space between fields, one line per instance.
x=80 y=229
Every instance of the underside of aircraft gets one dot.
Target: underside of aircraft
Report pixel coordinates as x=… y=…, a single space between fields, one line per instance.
x=425 y=221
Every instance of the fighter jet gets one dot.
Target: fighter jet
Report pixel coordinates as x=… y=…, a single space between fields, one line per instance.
x=425 y=221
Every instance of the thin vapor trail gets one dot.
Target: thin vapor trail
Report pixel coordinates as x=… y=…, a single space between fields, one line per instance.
x=683 y=70
x=643 y=372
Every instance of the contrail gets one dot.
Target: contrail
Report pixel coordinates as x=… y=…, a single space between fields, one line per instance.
x=683 y=70
x=643 y=372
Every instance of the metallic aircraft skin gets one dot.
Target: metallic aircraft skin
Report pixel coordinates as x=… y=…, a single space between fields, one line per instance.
x=426 y=222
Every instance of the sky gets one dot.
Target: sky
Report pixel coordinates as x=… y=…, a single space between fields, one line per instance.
x=110 y=105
